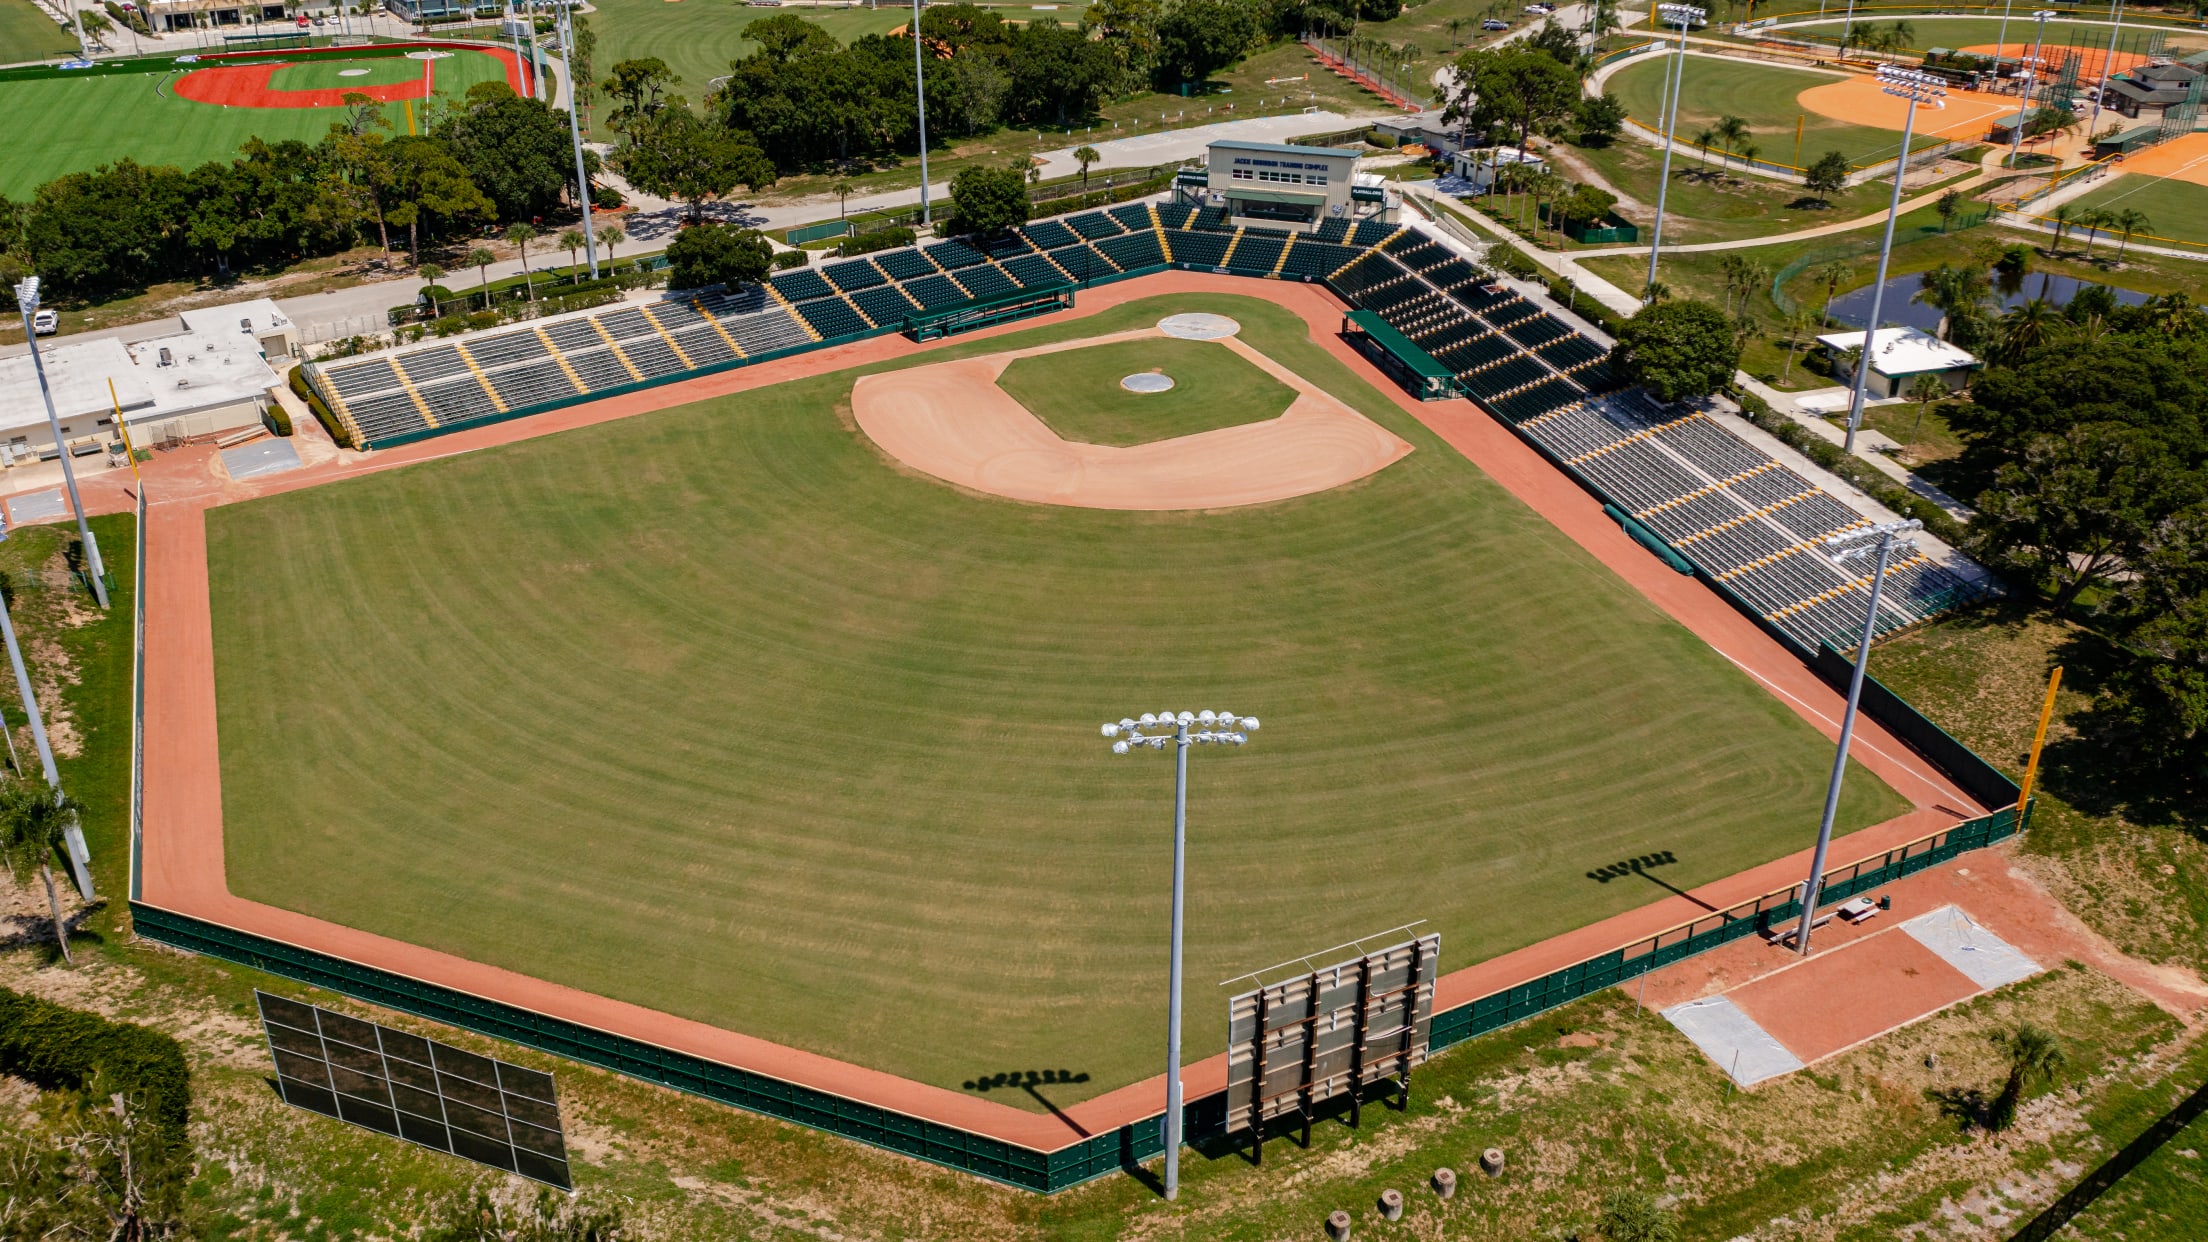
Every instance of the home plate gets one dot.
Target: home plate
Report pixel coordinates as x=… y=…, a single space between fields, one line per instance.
x=1806 y=1011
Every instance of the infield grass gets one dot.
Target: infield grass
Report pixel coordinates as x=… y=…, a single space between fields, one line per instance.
x=1078 y=394
x=65 y=125
x=1767 y=97
x=719 y=711
x=27 y=34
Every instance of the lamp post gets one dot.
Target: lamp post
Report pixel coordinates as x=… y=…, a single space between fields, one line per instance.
x=1916 y=88
x=1846 y=546
x=1180 y=730
x=2031 y=86
x=1683 y=15
x=920 y=94
x=2001 y=41
x=2108 y=70
x=26 y=297
x=575 y=130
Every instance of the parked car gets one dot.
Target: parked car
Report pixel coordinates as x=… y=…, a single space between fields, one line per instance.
x=304 y=23
x=321 y=21
x=45 y=323
x=1494 y=23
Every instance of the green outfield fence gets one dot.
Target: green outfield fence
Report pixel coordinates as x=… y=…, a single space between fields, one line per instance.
x=1205 y=1119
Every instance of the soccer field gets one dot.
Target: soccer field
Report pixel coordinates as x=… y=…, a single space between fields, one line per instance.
x=1767 y=97
x=27 y=33
x=720 y=711
x=74 y=124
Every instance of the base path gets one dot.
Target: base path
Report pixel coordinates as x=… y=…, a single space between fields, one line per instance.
x=953 y=422
x=181 y=858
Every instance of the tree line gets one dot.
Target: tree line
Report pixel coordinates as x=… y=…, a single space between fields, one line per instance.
x=493 y=156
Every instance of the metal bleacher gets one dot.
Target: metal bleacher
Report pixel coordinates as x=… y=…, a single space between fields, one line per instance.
x=1747 y=522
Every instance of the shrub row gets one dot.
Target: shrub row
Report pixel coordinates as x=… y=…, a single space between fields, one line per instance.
x=786 y=259
x=67 y=1049
x=322 y=413
x=880 y=239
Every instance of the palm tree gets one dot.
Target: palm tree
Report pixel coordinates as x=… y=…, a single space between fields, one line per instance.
x=611 y=235
x=2027 y=327
x=431 y=274
x=2033 y=1054
x=573 y=240
x=1830 y=274
x=1702 y=139
x=2064 y=216
x=1732 y=131
x=481 y=259
x=34 y=820
x=1948 y=204
x=521 y=235
x=842 y=191
x=1747 y=152
x=1904 y=35
x=1658 y=291
x=2092 y=220
x=2127 y=222
x=1734 y=267
x=1798 y=325
x=1926 y=389
x=1085 y=156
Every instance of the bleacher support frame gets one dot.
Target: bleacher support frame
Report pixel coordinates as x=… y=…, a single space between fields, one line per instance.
x=1025 y=304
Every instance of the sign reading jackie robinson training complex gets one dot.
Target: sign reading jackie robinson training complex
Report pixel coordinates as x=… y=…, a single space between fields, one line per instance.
x=475 y=1107
x=1293 y=1045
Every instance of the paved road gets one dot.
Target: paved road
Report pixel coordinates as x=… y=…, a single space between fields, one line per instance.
x=361 y=308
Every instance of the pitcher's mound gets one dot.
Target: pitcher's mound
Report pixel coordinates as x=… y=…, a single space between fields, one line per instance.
x=951 y=420
x=1147 y=381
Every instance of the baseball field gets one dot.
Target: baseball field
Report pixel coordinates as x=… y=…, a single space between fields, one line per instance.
x=1773 y=100
x=27 y=33
x=2166 y=183
x=724 y=711
x=187 y=114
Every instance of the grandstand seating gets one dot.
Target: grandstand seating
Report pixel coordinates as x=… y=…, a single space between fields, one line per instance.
x=904 y=263
x=802 y=285
x=853 y=274
x=1741 y=518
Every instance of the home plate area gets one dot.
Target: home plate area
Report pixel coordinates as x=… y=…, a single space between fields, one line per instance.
x=1834 y=1001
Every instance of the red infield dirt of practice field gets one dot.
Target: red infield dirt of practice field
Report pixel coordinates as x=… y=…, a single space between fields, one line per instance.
x=181 y=862
x=247 y=86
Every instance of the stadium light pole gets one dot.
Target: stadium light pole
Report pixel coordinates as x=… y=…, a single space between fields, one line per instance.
x=2001 y=40
x=1685 y=15
x=536 y=64
x=2031 y=87
x=1845 y=546
x=2108 y=70
x=1917 y=89
x=575 y=131
x=26 y=299
x=1184 y=729
x=920 y=94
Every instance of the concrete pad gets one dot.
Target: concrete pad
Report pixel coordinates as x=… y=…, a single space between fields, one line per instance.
x=37 y=506
x=270 y=456
x=1985 y=958
x=1857 y=992
x=1732 y=1039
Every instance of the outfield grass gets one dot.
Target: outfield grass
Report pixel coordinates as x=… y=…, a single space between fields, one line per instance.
x=715 y=711
x=65 y=125
x=1767 y=97
x=698 y=38
x=2177 y=210
x=1078 y=394
x=27 y=34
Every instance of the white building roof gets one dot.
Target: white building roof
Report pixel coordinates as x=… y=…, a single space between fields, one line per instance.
x=257 y=318
x=1903 y=351
x=1500 y=156
x=203 y=371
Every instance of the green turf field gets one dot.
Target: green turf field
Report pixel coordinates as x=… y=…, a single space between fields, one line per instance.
x=2177 y=210
x=28 y=34
x=64 y=125
x=718 y=711
x=351 y=75
x=1078 y=394
x=698 y=38
x=1765 y=96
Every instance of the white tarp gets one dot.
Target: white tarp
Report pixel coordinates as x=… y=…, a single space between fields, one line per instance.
x=1732 y=1039
x=1984 y=958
